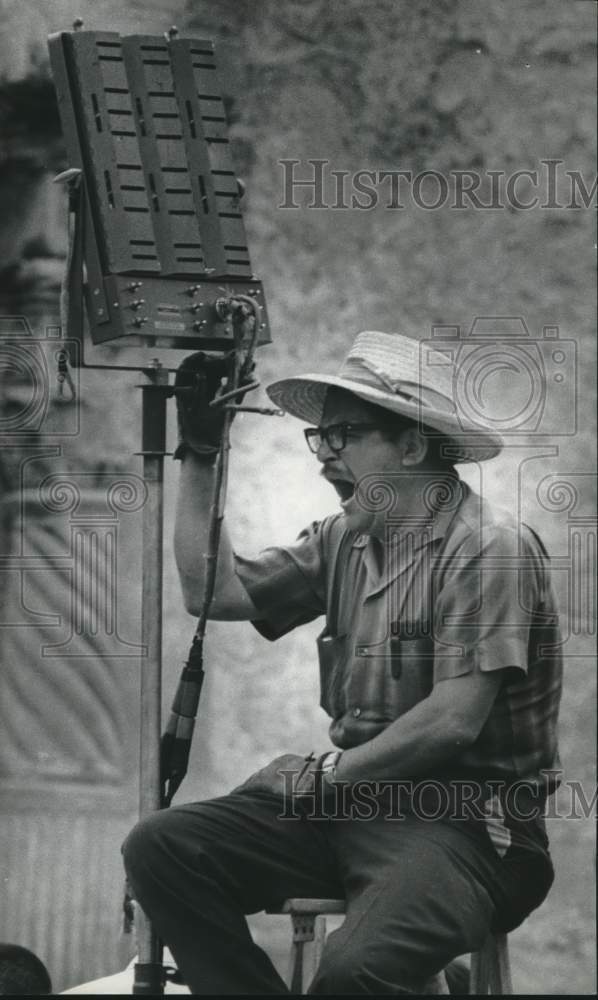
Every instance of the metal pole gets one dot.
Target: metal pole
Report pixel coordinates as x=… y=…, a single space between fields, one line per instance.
x=149 y=974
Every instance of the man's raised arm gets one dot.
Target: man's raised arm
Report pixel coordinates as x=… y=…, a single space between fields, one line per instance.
x=200 y=427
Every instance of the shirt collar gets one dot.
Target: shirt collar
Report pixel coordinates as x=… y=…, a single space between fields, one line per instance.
x=434 y=525
x=409 y=538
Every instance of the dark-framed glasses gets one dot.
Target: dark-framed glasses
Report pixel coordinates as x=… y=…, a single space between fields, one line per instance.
x=335 y=435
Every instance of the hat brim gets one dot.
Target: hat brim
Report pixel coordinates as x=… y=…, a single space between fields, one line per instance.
x=303 y=396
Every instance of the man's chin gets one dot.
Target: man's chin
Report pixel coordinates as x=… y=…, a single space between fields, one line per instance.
x=357 y=519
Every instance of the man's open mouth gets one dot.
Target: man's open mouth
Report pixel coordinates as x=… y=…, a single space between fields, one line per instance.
x=344 y=487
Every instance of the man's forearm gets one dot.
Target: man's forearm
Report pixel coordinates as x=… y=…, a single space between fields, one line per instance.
x=429 y=735
x=191 y=537
x=411 y=747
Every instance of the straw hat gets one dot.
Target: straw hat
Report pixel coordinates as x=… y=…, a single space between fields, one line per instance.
x=402 y=375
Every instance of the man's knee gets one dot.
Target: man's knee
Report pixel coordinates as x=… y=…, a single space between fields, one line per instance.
x=167 y=846
x=146 y=844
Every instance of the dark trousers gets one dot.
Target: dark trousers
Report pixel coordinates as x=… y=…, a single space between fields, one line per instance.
x=418 y=893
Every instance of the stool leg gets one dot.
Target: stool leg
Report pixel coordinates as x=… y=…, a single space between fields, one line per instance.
x=494 y=986
x=490 y=968
x=478 y=978
x=303 y=931
x=503 y=966
x=296 y=977
x=318 y=946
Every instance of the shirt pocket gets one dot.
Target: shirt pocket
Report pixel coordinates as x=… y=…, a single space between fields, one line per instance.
x=412 y=664
x=332 y=656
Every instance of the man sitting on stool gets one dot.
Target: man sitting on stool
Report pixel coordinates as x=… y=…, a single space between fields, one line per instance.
x=440 y=671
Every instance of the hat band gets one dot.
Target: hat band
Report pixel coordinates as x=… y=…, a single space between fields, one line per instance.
x=413 y=393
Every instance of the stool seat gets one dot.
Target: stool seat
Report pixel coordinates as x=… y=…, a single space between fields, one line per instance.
x=323 y=907
x=490 y=970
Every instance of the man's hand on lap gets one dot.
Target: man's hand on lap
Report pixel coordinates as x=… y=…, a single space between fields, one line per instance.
x=288 y=774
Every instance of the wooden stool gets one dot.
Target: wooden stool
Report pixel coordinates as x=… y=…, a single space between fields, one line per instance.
x=490 y=971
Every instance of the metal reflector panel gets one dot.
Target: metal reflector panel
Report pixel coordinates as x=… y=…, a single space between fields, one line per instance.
x=154 y=133
x=144 y=119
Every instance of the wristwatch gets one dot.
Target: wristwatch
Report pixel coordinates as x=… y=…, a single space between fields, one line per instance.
x=329 y=765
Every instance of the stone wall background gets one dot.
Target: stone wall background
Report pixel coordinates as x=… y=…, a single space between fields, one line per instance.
x=442 y=85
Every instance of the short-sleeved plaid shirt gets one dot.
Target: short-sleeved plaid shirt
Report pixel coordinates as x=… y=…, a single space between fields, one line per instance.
x=466 y=590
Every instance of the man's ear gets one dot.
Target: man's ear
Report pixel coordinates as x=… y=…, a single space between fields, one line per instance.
x=414 y=446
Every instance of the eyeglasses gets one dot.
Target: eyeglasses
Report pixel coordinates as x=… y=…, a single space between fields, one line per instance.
x=334 y=435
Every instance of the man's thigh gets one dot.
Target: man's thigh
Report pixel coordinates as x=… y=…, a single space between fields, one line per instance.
x=417 y=895
x=242 y=842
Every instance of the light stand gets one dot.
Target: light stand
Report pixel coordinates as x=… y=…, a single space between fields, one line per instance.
x=149 y=971
x=158 y=250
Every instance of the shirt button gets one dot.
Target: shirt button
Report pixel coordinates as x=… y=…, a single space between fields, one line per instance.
x=356 y=713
